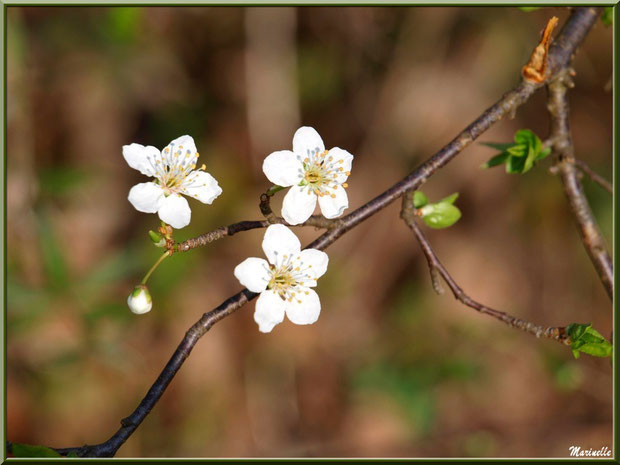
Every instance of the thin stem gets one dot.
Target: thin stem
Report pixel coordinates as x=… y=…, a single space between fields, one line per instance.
x=165 y=255
x=436 y=268
x=601 y=181
x=273 y=189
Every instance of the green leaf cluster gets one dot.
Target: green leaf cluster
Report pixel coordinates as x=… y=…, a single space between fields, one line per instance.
x=437 y=215
x=518 y=156
x=584 y=338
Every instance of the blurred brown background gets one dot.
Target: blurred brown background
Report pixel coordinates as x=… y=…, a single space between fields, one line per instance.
x=390 y=368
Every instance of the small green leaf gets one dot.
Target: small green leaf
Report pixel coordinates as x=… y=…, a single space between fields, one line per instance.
x=515 y=165
x=584 y=338
x=576 y=330
x=498 y=146
x=518 y=150
x=26 y=450
x=521 y=155
x=440 y=215
x=450 y=199
x=419 y=199
x=496 y=160
x=608 y=16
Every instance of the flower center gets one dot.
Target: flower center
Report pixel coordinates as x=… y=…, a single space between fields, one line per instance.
x=174 y=167
x=320 y=173
x=289 y=278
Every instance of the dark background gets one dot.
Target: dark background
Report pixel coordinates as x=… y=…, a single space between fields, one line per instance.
x=390 y=368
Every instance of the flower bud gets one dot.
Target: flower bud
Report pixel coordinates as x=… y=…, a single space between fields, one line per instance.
x=139 y=300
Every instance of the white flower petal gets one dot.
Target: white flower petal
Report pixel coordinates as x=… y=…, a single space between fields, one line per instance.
x=298 y=205
x=333 y=207
x=141 y=158
x=253 y=273
x=314 y=262
x=181 y=151
x=175 y=211
x=201 y=186
x=146 y=197
x=279 y=241
x=341 y=167
x=305 y=308
x=269 y=311
x=306 y=141
x=283 y=168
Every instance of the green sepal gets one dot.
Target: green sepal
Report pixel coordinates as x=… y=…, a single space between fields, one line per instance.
x=157 y=238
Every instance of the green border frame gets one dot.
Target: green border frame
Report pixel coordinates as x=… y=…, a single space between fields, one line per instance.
x=240 y=3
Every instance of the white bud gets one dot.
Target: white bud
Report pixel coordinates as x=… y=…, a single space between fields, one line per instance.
x=139 y=300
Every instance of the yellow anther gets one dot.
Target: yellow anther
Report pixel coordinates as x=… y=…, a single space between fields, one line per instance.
x=341 y=161
x=345 y=185
x=197 y=154
x=306 y=292
x=348 y=173
x=203 y=166
x=306 y=160
x=340 y=168
x=333 y=196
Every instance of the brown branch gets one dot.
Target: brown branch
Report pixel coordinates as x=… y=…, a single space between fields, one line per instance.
x=408 y=215
x=316 y=221
x=571 y=36
x=563 y=147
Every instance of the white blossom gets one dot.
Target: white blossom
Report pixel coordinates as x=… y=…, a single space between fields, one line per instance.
x=312 y=173
x=175 y=173
x=284 y=280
